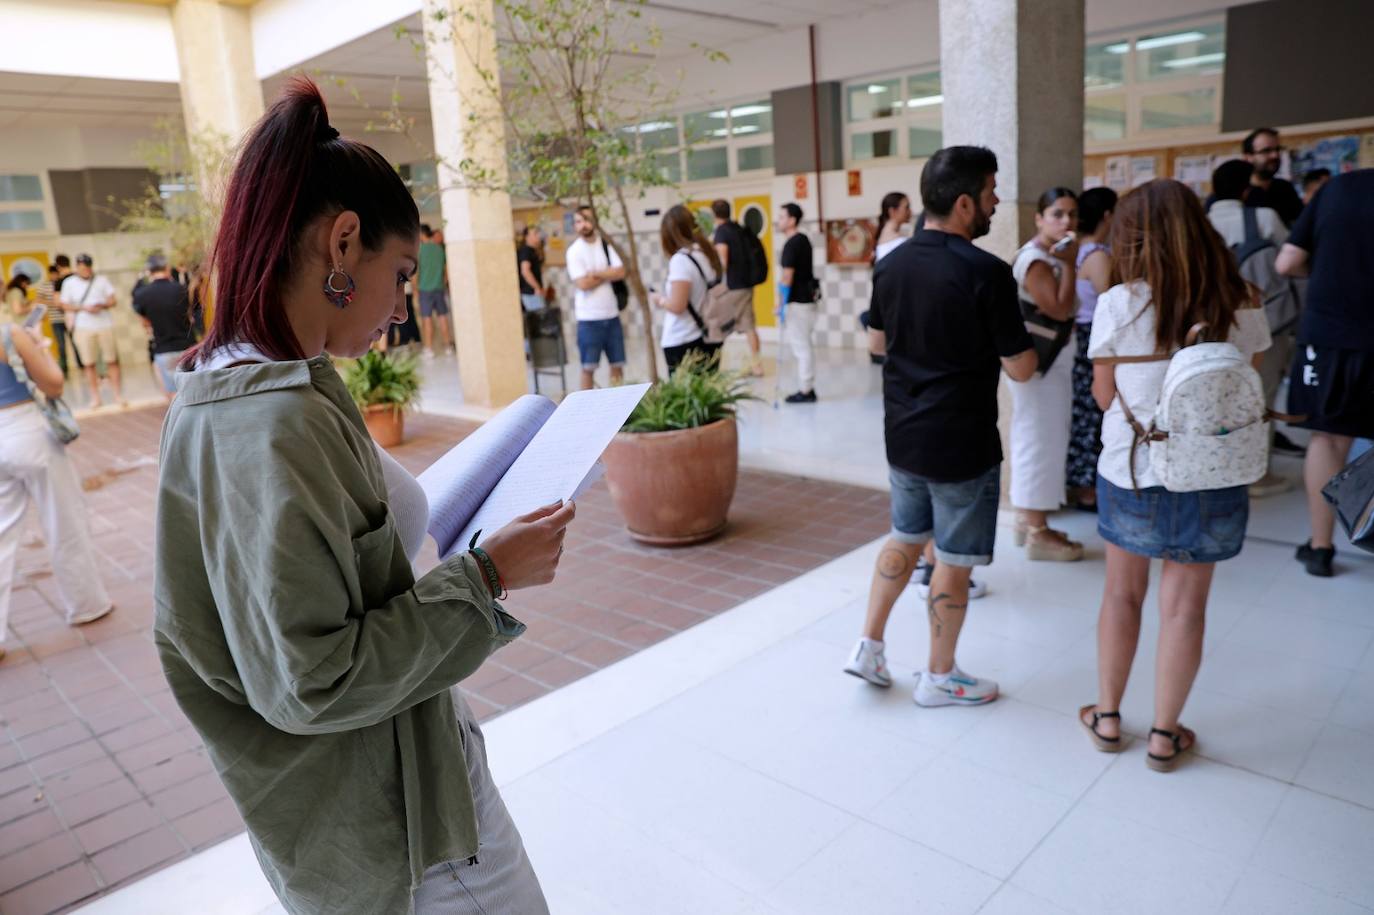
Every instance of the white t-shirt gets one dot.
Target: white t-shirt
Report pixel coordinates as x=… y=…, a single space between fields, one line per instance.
x=1029 y=253
x=1124 y=325
x=887 y=247
x=1228 y=218
x=74 y=288
x=680 y=329
x=585 y=257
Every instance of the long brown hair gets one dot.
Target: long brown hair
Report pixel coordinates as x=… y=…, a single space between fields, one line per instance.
x=679 y=230
x=1160 y=235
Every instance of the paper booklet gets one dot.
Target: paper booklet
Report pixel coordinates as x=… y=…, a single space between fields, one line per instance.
x=531 y=454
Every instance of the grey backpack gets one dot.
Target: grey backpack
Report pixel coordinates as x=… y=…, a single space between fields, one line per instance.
x=1256 y=256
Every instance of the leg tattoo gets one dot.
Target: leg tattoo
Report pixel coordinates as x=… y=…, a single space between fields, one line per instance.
x=893 y=564
x=938 y=602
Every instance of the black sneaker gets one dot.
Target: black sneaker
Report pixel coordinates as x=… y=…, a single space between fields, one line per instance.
x=801 y=397
x=1285 y=445
x=1317 y=560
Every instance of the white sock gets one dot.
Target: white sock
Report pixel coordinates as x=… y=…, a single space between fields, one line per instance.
x=940 y=678
x=874 y=645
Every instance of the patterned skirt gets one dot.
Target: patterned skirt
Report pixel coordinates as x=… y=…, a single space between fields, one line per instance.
x=1085 y=436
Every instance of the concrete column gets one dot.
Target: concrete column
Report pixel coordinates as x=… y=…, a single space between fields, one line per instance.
x=220 y=90
x=460 y=45
x=1012 y=76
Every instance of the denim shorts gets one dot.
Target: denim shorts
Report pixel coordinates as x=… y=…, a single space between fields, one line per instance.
x=597 y=337
x=962 y=517
x=1193 y=527
x=532 y=301
x=433 y=302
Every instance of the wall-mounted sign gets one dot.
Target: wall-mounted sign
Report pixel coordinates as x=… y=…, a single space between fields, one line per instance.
x=856 y=182
x=799 y=187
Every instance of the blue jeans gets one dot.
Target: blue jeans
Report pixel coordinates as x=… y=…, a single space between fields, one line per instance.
x=1194 y=527
x=597 y=337
x=962 y=517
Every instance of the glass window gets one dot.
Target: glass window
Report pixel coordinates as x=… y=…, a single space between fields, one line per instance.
x=658 y=134
x=708 y=163
x=923 y=142
x=753 y=158
x=923 y=92
x=1197 y=107
x=1197 y=51
x=869 y=100
x=1105 y=64
x=876 y=145
x=753 y=118
x=21 y=220
x=706 y=125
x=20 y=187
x=1104 y=116
x=669 y=165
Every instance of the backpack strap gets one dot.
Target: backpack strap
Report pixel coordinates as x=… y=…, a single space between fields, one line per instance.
x=1251 y=221
x=691 y=309
x=1139 y=434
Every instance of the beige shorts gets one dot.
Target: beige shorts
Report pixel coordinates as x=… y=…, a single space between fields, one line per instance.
x=94 y=345
x=743 y=301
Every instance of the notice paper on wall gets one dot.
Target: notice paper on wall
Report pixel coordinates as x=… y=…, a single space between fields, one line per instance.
x=531 y=454
x=1142 y=170
x=1092 y=181
x=1118 y=172
x=1194 y=171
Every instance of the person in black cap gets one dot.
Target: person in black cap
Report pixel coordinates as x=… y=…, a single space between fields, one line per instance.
x=165 y=309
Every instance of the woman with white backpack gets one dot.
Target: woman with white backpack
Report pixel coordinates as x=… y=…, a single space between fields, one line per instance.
x=1174 y=346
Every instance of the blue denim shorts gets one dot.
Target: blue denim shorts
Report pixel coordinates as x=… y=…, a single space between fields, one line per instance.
x=1194 y=527
x=597 y=337
x=962 y=517
x=433 y=302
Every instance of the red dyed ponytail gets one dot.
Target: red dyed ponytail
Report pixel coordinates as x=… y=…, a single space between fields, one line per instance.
x=292 y=169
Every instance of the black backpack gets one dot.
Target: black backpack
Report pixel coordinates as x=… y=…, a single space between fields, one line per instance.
x=1256 y=257
x=755 y=257
x=619 y=287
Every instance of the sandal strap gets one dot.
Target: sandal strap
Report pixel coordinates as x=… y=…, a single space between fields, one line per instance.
x=1176 y=738
x=1098 y=716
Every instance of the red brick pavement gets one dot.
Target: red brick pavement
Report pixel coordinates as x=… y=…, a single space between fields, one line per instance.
x=101 y=778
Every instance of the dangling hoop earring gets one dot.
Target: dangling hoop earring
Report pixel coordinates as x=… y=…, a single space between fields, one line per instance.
x=340 y=297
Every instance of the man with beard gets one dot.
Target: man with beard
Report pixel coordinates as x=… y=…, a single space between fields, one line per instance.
x=593 y=265
x=1261 y=149
x=949 y=313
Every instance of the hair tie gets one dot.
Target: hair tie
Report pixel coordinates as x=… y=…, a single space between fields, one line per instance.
x=328 y=133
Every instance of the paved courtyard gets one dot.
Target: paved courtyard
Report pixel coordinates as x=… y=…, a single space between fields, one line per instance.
x=101 y=779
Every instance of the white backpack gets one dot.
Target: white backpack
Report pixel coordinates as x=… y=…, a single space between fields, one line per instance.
x=1211 y=428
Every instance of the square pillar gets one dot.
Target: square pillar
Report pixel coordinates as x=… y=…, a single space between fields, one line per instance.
x=488 y=323
x=1012 y=76
x=220 y=90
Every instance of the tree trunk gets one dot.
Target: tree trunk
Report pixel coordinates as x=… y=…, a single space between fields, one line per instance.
x=636 y=282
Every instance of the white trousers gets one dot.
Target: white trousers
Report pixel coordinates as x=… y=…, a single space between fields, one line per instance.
x=799 y=322
x=1041 y=417
x=34 y=465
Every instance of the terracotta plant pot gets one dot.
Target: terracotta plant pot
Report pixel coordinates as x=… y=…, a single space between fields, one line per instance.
x=674 y=488
x=386 y=424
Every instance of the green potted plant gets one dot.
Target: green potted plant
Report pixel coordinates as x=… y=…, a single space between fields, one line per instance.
x=383 y=386
x=672 y=469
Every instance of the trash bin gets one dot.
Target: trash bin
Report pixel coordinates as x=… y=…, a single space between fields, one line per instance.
x=544 y=333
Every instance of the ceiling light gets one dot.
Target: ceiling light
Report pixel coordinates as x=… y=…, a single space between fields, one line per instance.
x=1164 y=41
x=745 y=110
x=1197 y=61
x=924 y=102
x=878 y=89
x=747 y=128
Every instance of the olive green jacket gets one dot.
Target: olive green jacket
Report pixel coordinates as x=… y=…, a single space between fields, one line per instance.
x=296 y=639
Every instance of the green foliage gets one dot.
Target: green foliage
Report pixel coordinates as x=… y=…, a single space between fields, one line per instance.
x=696 y=395
x=382 y=379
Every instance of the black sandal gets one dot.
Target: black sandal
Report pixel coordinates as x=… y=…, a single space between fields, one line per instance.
x=1170 y=762
x=1104 y=744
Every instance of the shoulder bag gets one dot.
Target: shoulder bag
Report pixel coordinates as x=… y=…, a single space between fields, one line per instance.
x=621 y=290
x=54 y=410
x=1048 y=335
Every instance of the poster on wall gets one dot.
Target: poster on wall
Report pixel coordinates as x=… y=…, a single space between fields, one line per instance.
x=1336 y=154
x=1194 y=171
x=1118 y=172
x=850 y=242
x=1367 y=151
x=1142 y=170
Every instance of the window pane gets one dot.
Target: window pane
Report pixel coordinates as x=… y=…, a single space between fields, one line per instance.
x=707 y=163
x=21 y=220
x=874 y=100
x=658 y=134
x=923 y=91
x=752 y=158
x=1104 y=116
x=877 y=145
x=1178 y=109
x=1105 y=64
x=1188 y=52
x=20 y=187
x=669 y=166
x=753 y=118
x=923 y=142
x=705 y=125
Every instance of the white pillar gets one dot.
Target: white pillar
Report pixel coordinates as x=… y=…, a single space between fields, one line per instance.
x=1012 y=76
x=460 y=45
x=220 y=90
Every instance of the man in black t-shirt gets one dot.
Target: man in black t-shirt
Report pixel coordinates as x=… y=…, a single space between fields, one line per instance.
x=1261 y=148
x=1332 y=381
x=164 y=305
x=734 y=257
x=950 y=316
x=529 y=260
x=797 y=300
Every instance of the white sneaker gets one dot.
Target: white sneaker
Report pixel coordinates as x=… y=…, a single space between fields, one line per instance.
x=920 y=580
x=869 y=664
x=91 y=617
x=958 y=689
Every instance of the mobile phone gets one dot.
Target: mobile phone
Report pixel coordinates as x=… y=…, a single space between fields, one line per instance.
x=35 y=317
x=1063 y=243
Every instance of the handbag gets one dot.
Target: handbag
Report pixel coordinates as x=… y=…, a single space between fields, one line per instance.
x=621 y=290
x=54 y=409
x=1352 y=493
x=1048 y=335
